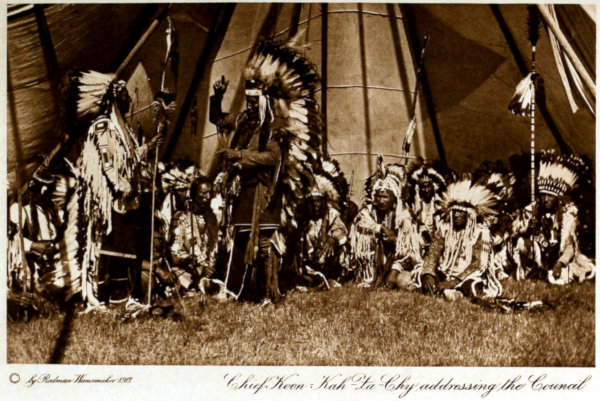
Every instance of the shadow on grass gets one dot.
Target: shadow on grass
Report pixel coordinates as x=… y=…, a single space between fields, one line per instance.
x=63 y=338
x=343 y=327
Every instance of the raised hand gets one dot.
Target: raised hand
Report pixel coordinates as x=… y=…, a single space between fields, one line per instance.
x=220 y=86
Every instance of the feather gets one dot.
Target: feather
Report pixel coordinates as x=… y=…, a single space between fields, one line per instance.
x=558 y=174
x=522 y=99
x=289 y=80
x=466 y=195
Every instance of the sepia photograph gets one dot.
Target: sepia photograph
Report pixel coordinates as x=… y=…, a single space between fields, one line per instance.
x=301 y=185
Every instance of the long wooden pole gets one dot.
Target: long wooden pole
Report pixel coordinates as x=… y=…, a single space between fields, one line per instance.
x=216 y=33
x=123 y=65
x=151 y=268
x=161 y=125
x=324 y=24
x=413 y=111
x=411 y=31
x=142 y=40
x=589 y=81
x=532 y=125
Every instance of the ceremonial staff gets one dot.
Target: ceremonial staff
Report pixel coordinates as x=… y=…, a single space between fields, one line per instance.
x=410 y=131
x=533 y=23
x=523 y=101
x=163 y=104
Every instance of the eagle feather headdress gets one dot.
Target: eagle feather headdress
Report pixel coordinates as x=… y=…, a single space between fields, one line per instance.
x=285 y=82
x=499 y=180
x=388 y=177
x=332 y=170
x=559 y=173
x=470 y=197
x=176 y=177
x=95 y=91
x=324 y=187
x=426 y=173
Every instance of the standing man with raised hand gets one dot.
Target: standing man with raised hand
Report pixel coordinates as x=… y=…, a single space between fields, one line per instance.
x=250 y=160
x=272 y=155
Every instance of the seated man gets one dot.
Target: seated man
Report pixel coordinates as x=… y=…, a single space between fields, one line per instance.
x=325 y=234
x=374 y=233
x=421 y=221
x=193 y=241
x=548 y=246
x=426 y=185
x=176 y=181
x=458 y=261
x=500 y=181
x=40 y=225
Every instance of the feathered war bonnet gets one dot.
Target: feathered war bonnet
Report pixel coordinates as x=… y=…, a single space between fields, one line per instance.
x=499 y=180
x=325 y=188
x=285 y=83
x=421 y=173
x=387 y=178
x=278 y=71
x=177 y=177
x=465 y=195
x=559 y=173
x=96 y=92
x=331 y=169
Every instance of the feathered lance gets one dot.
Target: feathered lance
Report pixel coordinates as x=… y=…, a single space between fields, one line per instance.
x=533 y=25
x=170 y=64
x=523 y=101
x=410 y=131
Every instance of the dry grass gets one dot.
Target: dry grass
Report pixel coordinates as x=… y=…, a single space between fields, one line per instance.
x=345 y=326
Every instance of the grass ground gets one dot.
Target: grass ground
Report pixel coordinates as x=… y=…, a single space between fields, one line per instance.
x=345 y=326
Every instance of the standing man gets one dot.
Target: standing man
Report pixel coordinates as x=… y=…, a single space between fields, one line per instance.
x=272 y=154
x=108 y=186
x=250 y=160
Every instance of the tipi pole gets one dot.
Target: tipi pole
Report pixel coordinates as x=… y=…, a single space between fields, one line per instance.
x=532 y=125
x=579 y=67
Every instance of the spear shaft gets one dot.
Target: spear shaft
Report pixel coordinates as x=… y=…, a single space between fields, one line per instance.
x=411 y=126
x=160 y=127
